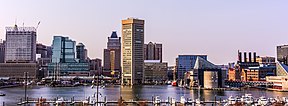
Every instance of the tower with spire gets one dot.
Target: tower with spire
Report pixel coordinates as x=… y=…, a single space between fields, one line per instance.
x=112 y=56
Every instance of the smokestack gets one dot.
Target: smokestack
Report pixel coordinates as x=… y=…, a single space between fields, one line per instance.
x=239 y=56
x=250 y=57
x=245 y=57
x=255 y=56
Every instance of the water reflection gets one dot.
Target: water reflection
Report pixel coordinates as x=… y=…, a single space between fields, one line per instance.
x=128 y=93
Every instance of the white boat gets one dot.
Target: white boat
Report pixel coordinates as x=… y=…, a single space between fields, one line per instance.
x=231 y=100
x=198 y=101
x=60 y=101
x=190 y=101
x=157 y=100
x=247 y=99
x=183 y=100
x=262 y=101
x=173 y=102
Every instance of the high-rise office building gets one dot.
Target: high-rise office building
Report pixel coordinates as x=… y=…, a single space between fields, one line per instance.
x=63 y=50
x=132 y=51
x=20 y=44
x=112 y=56
x=153 y=51
x=282 y=54
x=81 y=52
x=64 y=62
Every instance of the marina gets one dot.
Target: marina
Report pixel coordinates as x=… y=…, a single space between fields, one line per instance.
x=133 y=95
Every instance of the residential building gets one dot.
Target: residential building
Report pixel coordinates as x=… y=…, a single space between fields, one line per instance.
x=155 y=71
x=112 y=56
x=132 y=51
x=20 y=44
x=185 y=63
x=153 y=51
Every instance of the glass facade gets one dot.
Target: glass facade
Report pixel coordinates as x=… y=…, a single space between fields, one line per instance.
x=63 y=50
x=186 y=63
x=63 y=57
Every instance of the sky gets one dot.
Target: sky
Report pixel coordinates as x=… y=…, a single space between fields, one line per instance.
x=217 y=28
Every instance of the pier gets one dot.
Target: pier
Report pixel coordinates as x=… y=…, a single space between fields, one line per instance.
x=120 y=102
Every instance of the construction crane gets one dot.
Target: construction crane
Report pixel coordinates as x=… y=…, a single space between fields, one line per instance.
x=37 y=25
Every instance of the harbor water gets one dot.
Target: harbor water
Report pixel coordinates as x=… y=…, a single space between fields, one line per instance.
x=112 y=93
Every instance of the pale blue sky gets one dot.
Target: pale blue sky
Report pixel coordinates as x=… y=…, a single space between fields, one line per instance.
x=217 y=28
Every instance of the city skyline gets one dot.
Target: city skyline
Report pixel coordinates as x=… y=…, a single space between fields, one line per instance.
x=246 y=27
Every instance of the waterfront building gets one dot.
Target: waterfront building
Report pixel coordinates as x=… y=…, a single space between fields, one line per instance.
x=64 y=62
x=20 y=44
x=185 y=63
x=15 y=71
x=2 y=51
x=81 y=53
x=259 y=73
x=153 y=51
x=282 y=54
x=206 y=74
x=280 y=81
x=243 y=64
x=132 y=51
x=112 y=56
x=96 y=67
x=155 y=71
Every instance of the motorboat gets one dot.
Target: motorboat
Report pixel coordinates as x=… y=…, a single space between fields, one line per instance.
x=183 y=100
x=174 y=83
x=173 y=102
x=60 y=101
x=231 y=100
x=190 y=101
x=262 y=101
x=247 y=99
x=2 y=94
x=157 y=100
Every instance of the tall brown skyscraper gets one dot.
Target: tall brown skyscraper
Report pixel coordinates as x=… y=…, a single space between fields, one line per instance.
x=153 y=51
x=132 y=51
x=112 y=56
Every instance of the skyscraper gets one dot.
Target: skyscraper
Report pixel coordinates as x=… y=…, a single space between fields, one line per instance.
x=132 y=51
x=153 y=51
x=20 y=44
x=112 y=56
